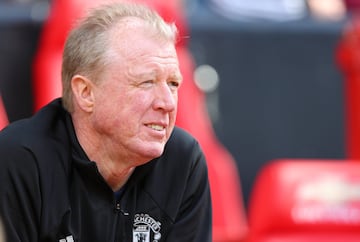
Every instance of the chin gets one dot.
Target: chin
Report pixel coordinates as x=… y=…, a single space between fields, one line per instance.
x=155 y=152
x=149 y=151
x=154 y=155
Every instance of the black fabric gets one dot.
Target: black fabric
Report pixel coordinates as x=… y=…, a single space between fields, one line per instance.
x=51 y=191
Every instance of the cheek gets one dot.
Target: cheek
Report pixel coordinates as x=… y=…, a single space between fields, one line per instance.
x=128 y=109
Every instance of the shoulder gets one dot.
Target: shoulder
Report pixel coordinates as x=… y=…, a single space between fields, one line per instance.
x=182 y=142
x=183 y=151
x=181 y=134
x=46 y=124
x=180 y=171
x=182 y=155
x=37 y=137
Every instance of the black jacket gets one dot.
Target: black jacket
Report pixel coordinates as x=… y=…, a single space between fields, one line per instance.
x=51 y=191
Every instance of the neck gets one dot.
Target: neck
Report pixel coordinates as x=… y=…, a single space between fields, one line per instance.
x=114 y=169
x=115 y=179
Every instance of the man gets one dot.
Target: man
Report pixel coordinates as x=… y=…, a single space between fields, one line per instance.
x=105 y=162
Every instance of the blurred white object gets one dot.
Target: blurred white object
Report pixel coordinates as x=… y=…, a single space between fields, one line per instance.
x=327 y=9
x=278 y=10
x=206 y=78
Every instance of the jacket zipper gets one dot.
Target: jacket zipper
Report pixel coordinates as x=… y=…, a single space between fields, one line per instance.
x=119 y=223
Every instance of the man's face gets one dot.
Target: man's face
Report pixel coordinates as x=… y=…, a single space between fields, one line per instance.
x=136 y=98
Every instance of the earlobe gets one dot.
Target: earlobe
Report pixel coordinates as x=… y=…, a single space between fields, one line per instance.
x=82 y=89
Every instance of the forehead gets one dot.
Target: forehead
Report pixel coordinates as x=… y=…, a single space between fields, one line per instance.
x=133 y=38
x=129 y=30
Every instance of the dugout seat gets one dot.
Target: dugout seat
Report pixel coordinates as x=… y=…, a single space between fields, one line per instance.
x=229 y=218
x=3 y=116
x=306 y=201
x=348 y=60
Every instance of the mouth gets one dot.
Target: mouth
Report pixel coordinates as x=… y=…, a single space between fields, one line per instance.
x=156 y=127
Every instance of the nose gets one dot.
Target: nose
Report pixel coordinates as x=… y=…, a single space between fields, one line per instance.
x=165 y=98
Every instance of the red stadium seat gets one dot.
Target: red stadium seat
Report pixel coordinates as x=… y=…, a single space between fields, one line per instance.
x=306 y=201
x=348 y=57
x=3 y=116
x=229 y=218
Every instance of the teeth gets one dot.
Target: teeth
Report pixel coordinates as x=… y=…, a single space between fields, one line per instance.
x=156 y=127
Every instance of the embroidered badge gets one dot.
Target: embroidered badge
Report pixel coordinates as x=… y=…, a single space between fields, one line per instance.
x=67 y=239
x=146 y=229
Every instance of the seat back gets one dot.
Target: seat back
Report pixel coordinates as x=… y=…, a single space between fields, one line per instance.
x=348 y=60
x=306 y=201
x=3 y=116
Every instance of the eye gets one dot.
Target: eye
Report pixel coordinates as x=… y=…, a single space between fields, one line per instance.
x=147 y=83
x=174 y=84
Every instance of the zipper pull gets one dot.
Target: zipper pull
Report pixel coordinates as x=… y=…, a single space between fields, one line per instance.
x=118 y=208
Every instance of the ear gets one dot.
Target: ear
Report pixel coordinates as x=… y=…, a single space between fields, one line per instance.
x=83 y=93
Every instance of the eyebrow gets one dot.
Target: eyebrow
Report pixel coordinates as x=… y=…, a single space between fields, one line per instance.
x=177 y=76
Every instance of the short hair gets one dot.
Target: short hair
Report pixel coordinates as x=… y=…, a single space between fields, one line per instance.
x=86 y=46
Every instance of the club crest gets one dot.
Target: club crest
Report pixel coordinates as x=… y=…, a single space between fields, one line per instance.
x=146 y=229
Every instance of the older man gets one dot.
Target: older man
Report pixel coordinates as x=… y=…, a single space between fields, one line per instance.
x=106 y=162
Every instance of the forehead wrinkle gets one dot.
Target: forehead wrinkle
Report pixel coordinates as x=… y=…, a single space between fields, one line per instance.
x=155 y=69
x=133 y=72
